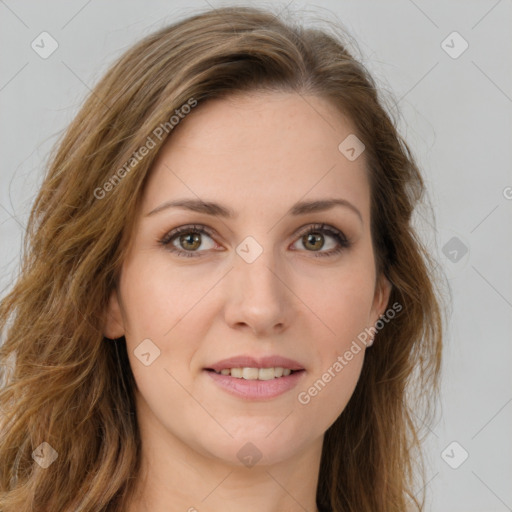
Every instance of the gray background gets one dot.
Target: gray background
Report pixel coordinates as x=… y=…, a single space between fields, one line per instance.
x=456 y=116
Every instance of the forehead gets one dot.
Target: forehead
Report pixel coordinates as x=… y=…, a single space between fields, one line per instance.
x=258 y=151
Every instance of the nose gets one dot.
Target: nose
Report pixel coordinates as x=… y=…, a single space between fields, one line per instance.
x=258 y=299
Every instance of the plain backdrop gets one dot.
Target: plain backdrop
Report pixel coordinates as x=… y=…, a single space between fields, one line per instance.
x=447 y=66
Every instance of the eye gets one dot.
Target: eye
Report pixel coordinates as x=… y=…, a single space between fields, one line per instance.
x=314 y=240
x=188 y=240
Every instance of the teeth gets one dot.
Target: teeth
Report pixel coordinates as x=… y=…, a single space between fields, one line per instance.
x=237 y=372
x=250 y=373
x=256 y=373
x=265 y=373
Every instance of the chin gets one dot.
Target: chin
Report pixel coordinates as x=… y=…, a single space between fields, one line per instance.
x=256 y=446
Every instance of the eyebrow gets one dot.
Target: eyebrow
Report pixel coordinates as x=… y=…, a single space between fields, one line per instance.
x=218 y=210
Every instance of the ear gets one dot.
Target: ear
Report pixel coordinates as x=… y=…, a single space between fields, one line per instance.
x=381 y=298
x=114 y=324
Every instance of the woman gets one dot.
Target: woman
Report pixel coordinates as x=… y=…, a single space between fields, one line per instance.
x=223 y=303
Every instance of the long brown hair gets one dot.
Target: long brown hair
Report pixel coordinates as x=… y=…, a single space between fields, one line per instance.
x=63 y=384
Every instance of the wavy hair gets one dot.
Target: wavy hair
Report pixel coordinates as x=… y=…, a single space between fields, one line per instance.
x=63 y=384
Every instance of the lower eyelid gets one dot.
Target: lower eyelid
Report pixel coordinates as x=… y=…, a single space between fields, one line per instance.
x=340 y=238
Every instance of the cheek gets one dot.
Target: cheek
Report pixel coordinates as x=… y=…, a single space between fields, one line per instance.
x=326 y=394
x=342 y=306
x=339 y=356
x=157 y=305
x=158 y=296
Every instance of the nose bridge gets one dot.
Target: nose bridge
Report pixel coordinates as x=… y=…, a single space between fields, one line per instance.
x=257 y=268
x=258 y=296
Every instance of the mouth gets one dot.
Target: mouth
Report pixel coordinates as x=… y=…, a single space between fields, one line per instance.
x=251 y=378
x=251 y=373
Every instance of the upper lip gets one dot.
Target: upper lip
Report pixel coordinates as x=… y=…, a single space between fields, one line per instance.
x=246 y=361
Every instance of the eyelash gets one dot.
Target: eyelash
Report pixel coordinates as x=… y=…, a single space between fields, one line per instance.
x=343 y=242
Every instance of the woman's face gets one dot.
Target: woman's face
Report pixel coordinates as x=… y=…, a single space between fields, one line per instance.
x=252 y=284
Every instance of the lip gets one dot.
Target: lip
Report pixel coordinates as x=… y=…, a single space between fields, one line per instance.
x=246 y=361
x=256 y=389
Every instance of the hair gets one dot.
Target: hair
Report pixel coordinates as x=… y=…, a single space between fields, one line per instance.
x=64 y=384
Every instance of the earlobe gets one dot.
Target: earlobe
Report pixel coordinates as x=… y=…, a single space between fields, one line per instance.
x=114 y=325
x=382 y=294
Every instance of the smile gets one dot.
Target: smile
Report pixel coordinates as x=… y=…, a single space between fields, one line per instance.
x=254 y=377
x=250 y=386
x=256 y=373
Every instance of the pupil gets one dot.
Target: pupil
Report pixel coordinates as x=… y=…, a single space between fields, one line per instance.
x=312 y=238
x=190 y=239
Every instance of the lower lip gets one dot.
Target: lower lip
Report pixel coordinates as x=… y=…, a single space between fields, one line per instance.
x=256 y=389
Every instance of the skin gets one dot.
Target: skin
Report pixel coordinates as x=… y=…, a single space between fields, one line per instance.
x=257 y=154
